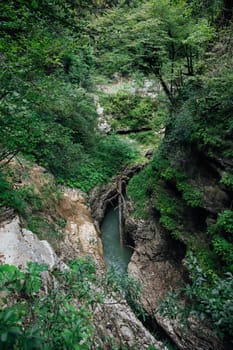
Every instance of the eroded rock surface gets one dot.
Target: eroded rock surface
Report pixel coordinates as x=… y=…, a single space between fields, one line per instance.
x=157 y=264
x=196 y=337
x=18 y=245
x=112 y=318
x=116 y=320
x=81 y=237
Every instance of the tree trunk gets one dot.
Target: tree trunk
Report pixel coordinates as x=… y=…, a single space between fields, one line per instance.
x=120 y=208
x=166 y=90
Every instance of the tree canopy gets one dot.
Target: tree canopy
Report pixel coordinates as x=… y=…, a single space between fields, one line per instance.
x=156 y=37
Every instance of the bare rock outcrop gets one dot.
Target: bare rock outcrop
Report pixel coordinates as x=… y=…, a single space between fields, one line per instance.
x=18 y=246
x=157 y=264
x=81 y=238
x=195 y=337
x=115 y=321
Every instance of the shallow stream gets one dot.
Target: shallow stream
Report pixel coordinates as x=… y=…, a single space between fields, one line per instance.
x=116 y=256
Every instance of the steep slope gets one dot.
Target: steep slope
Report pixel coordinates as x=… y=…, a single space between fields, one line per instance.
x=72 y=293
x=187 y=191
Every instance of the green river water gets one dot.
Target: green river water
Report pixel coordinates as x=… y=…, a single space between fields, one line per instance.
x=115 y=255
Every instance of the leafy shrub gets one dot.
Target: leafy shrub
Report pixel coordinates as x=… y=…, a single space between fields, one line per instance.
x=206 y=106
x=191 y=195
x=227 y=180
x=138 y=191
x=210 y=300
x=131 y=290
x=214 y=299
x=130 y=110
x=224 y=249
x=222 y=237
x=170 y=172
x=148 y=192
x=109 y=157
x=225 y=222
x=115 y=153
x=9 y=197
x=60 y=319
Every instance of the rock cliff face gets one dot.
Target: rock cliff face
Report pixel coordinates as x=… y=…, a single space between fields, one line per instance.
x=81 y=237
x=113 y=321
x=205 y=174
x=157 y=263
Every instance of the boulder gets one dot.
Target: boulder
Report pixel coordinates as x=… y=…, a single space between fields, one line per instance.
x=18 y=246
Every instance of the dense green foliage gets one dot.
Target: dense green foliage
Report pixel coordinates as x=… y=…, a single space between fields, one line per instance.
x=198 y=133
x=45 y=109
x=211 y=301
x=50 y=51
x=222 y=239
x=59 y=319
x=156 y=37
x=129 y=111
x=38 y=313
